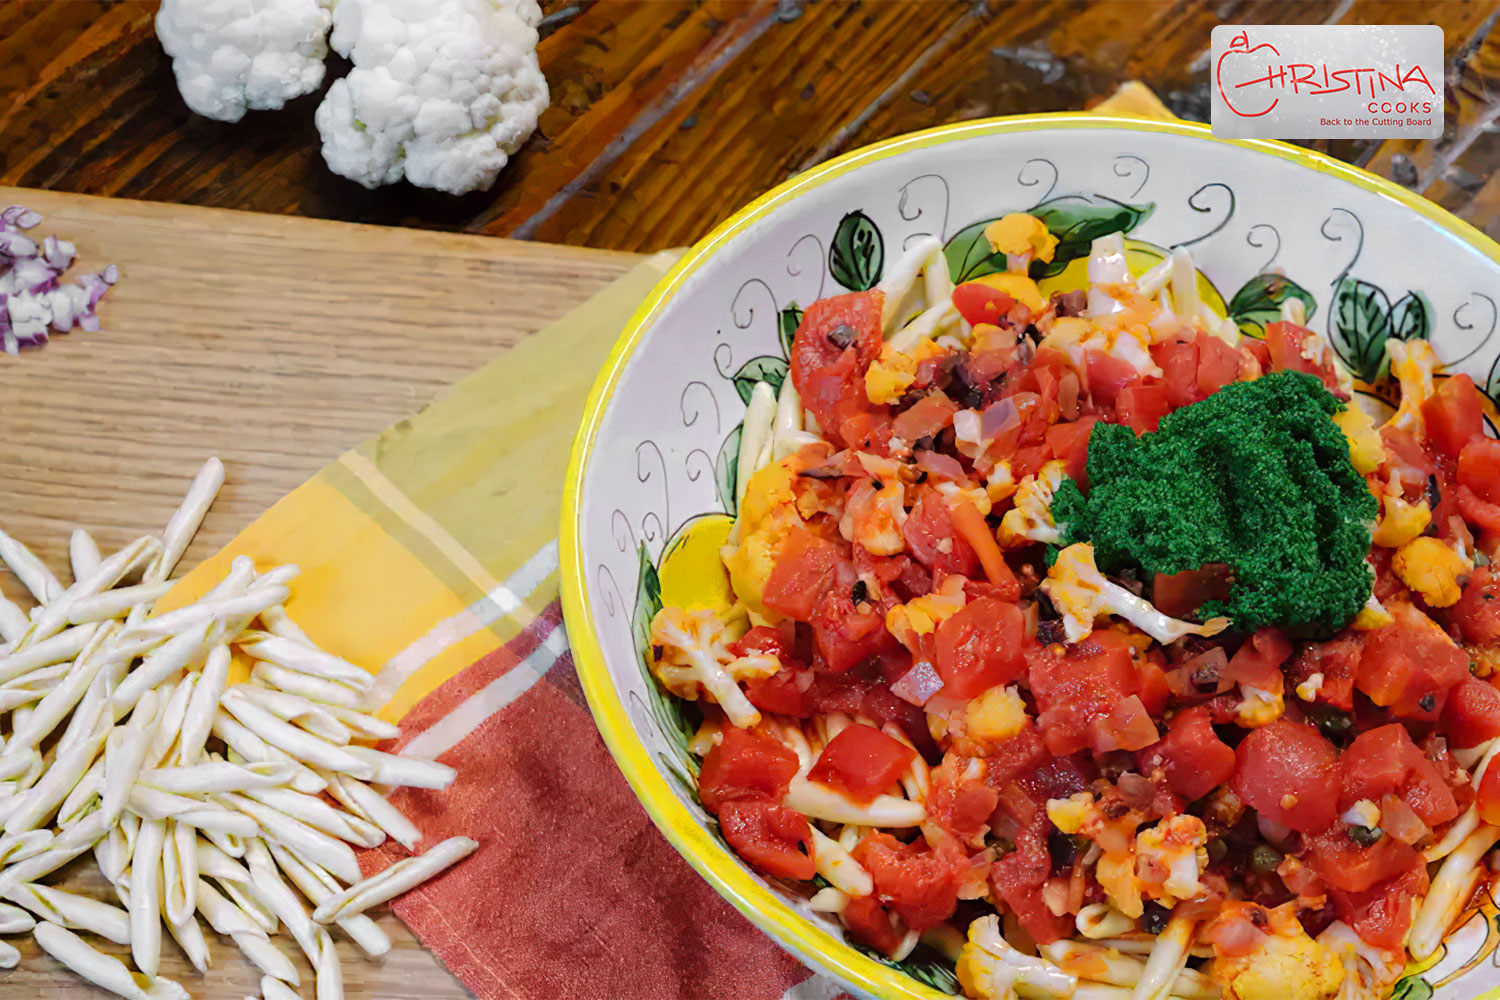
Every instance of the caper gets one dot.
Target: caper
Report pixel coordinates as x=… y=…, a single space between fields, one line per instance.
x=1364 y=836
x=1264 y=858
x=1154 y=917
x=1216 y=850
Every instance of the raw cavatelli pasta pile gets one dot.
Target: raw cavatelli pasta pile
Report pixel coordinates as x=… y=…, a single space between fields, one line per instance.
x=199 y=795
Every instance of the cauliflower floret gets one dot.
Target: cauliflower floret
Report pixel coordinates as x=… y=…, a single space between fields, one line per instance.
x=891 y=374
x=1372 y=616
x=230 y=55
x=874 y=512
x=920 y=615
x=1399 y=521
x=996 y=715
x=442 y=92
x=1433 y=570
x=767 y=513
x=1369 y=972
x=692 y=655
x=1082 y=594
x=1022 y=238
x=1259 y=707
x=989 y=967
x=1288 y=965
x=1366 y=451
x=1413 y=362
x=1075 y=337
x=1030 y=520
x=1169 y=857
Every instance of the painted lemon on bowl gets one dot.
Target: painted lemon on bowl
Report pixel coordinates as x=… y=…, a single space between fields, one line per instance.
x=651 y=488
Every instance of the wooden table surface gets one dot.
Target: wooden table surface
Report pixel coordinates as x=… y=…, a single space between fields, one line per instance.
x=667 y=115
x=275 y=343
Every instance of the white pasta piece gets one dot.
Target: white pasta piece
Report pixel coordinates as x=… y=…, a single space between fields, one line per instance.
x=54 y=616
x=124 y=752
x=174 y=702
x=59 y=648
x=817 y=801
x=64 y=848
x=755 y=432
x=145 y=897
x=13 y=621
x=330 y=975
x=180 y=867
x=198 y=720
x=408 y=772
x=43 y=798
x=189 y=937
x=74 y=911
x=83 y=554
x=1166 y=961
x=176 y=654
x=14 y=920
x=213 y=862
x=218 y=776
x=363 y=725
x=1437 y=910
x=32 y=687
x=53 y=708
x=274 y=989
x=90 y=711
x=115 y=603
x=330 y=852
x=244 y=897
x=298 y=710
x=317 y=885
x=363 y=801
x=212 y=609
x=317 y=689
x=829 y=900
x=1101 y=920
x=307 y=659
x=252 y=748
x=186 y=519
x=837 y=866
x=319 y=815
x=299 y=743
x=31 y=571
x=266 y=956
x=925 y=326
x=279 y=898
x=901 y=278
x=400 y=877
x=103 y=970
x=278 y=622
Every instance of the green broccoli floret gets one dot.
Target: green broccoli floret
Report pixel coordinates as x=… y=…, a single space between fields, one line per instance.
x=1257 y=476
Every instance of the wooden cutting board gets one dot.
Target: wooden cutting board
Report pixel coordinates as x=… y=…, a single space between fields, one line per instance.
x=275 y=343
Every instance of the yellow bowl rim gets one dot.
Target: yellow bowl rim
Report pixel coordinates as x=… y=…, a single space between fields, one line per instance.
x=767 y=911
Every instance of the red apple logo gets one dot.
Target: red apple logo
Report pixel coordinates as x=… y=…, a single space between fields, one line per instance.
x=1240 y=45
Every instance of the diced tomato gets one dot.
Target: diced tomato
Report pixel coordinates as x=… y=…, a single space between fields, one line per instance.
x=1178 y=360
x=1258 y=350
x=1479 y=483
x=861 y=761
x=925 y=418
x=804 y=570
x=1454 y=415
x=1409 y=666
x=958 y=804
x=1107 y=376
x=833 y=347
x=1069 y=443
x=870 y=923
x=1336 y=660
x=843 y=635
x=1017 y=879
x=1018 y=755
x=773 y=838
x=1178 y=595
x=1258 y=662
x=1087 y=682
x=1382 y=914
x=1477 y=613
x=1472 y=715
x=764 y=640
x=884 y=708
x=1141 y=407
x=1289 y=774
x=1386 y=760
x=1196 y=761
x=843 y=691
x=1218 y=364
x=979 y=646
x=744 y=766
x=920 y=885
x=1487 y=800
x=1285 y=342
x=927 y=524
x=979 y=303
x=783 y=693
x=1345 y=865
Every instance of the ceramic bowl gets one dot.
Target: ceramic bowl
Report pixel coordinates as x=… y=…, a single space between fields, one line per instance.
x=651 y=483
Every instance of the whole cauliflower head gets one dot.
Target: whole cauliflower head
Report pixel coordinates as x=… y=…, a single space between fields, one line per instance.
x=233 y=55
x=442 y=91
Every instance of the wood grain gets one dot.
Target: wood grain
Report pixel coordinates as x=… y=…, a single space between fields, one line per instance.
x=667 y=115
x=274 y=343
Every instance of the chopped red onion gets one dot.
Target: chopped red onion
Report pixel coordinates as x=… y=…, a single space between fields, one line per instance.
x=33 y=298
x=918 y=684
